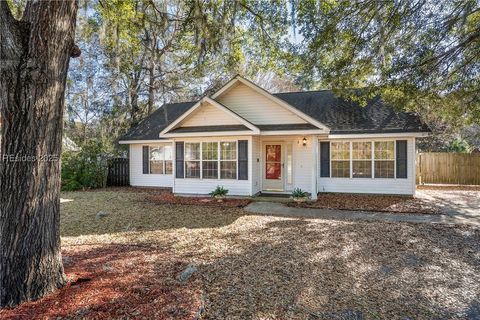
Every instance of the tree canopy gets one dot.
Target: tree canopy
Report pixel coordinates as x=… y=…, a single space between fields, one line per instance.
x=420 y=56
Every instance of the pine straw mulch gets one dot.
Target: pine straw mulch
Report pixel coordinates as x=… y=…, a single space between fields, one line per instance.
x=117 y=282
x=377 y=203
x=258 y=267
x=166 y=197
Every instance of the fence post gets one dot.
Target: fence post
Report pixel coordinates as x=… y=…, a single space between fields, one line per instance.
x=419 y=168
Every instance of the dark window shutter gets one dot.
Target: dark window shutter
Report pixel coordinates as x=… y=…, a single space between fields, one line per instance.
x=145 y=159
x=179 y=166
x=242 y=159
x=325 y=159
x=402 y=159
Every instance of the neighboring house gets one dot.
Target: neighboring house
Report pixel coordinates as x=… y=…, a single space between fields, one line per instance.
x=250 y=141
x=69 y=145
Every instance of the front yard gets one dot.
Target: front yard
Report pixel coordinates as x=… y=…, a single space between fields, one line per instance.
x=126 y=260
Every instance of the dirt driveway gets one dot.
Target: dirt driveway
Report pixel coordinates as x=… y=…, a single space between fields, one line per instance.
x=459 y=203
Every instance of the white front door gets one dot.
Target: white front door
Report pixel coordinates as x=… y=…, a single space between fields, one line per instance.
x=273 y=167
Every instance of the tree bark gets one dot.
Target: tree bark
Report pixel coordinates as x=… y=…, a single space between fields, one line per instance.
x=135 y=109
x=35 y=53
x=151 y=71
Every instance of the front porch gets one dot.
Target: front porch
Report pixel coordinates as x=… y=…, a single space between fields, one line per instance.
x=283 y=163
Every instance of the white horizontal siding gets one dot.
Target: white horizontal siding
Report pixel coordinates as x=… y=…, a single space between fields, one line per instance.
x=302 y=160
x=255 y=107
x=204 y=186
x=302 y=164
x=257 y=166
x=208 y=115
x=372 y=185
x=137 y=178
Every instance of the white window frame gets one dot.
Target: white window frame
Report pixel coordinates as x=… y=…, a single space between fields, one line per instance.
x=150 y=147
x=220 y=159
x=349 y=159
x=394 y=159
x=202 y=160
x=185 y=161
x=350 y=142
x=219 y=142
x=372 y=143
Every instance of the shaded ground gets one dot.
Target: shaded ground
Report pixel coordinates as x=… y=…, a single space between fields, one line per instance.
x=263 y=267
x=117 y=282
x=271 y=208
x=377 y=203
x=459 y=203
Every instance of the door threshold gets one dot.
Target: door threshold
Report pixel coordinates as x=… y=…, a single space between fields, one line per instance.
x=279 y=194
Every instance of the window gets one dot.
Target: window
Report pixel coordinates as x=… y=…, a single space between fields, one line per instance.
x=161 y=159
x=192 y=160
x=369 y=159
x=210 y=160
x=228 y=160
x=156 y=160
x=289 y=163
x=340 y=159
x=168 y=159
x=361 y=159
x=384 y=159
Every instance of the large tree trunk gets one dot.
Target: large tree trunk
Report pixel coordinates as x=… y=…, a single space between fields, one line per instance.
x=135 y=109
x=151 y=71
x=35 y=53
x=151 y=87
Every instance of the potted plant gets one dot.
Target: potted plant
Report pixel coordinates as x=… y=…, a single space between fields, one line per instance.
x=219 y=193
x=298 y=195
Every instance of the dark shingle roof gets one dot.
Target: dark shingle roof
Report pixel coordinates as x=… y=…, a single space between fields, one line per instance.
x=348 y=117
x=150 y=128
x=341 y=116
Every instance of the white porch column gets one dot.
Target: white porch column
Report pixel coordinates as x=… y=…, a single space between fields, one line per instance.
x=251 y=159
x=314 y=167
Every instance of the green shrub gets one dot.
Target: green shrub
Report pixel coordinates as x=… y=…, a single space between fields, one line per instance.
x=85 y=169
x=459 y=145
x=219 y=192
x=71 y=185
x=298 y=193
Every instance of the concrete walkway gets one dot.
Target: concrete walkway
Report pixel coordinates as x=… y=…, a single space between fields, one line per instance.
x=461 y=204
x=279 y=209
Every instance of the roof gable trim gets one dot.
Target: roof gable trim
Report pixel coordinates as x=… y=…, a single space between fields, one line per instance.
x=214 y=103
x=271 y=97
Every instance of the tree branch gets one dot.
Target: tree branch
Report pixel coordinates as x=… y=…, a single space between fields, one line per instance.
x=258 y=17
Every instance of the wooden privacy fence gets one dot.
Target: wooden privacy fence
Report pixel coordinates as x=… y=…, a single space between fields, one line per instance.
x=118 y=173
x=448 y=168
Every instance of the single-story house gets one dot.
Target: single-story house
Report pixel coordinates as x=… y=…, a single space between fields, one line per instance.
x=251 y=141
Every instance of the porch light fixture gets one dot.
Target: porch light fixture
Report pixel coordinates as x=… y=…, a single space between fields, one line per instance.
x=304 y=141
